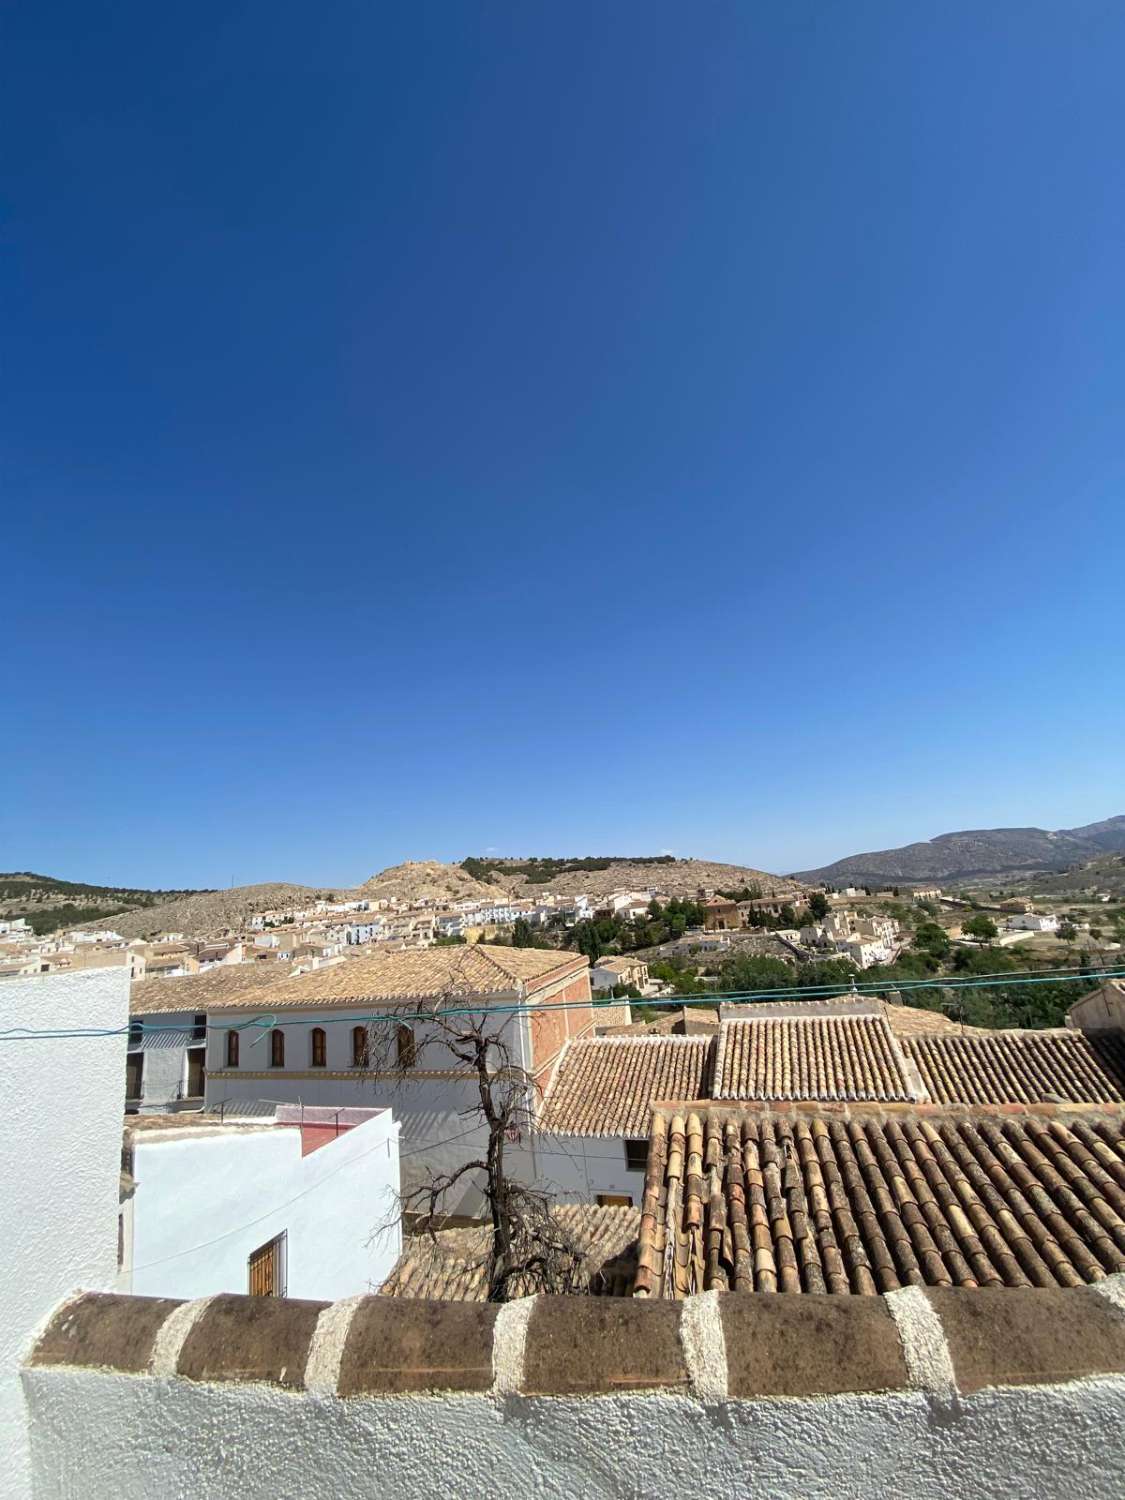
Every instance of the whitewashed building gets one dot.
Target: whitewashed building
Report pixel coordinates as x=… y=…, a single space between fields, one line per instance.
x=300 y=1204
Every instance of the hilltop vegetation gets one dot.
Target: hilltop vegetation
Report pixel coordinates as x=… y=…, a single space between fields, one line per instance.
x=49 y=903
x=540 y=871
x=598 y=875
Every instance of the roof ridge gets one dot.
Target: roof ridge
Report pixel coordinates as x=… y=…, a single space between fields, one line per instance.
x=634 y=1040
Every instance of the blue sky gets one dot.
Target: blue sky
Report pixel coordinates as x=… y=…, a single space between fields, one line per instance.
x=557 y=429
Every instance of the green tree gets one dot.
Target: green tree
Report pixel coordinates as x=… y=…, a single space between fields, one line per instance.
x=819 y=906
x=980 y=926
x=932 y=938
x=522 y=935
x=1068 y=932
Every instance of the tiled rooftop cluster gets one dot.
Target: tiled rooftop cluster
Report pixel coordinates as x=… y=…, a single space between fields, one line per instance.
x=605 y=1086
x=872 y=1200
x=810 y=1057
x=414 y=974
x=451 y=1264
x=1022 y=1067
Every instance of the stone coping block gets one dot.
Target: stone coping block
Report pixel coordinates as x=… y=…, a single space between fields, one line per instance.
x=581 y=1345
x=395 y=1345
x=738 y=1346
x=251 y=1338
x=1024 y=1336
x=810 y=1344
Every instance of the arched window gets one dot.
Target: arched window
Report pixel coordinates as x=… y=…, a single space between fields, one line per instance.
x=319 y=1047
x=359 y=1046
x=405 y=1043
x=277 y=1048
x=232 y=1049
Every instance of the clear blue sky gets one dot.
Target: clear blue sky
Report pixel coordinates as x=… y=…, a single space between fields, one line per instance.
x=559 y=428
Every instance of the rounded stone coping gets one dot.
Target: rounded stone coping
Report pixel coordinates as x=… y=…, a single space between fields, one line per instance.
x=733 y=1346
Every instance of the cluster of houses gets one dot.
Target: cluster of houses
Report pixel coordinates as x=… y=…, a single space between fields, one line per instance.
x=355 y=1050
x=857 y=1152
x=866 y=940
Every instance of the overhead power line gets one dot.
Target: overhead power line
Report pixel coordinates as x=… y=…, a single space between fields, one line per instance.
x=268 y=1020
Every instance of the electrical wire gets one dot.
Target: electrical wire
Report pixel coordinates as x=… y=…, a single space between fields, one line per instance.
x=268 y=1020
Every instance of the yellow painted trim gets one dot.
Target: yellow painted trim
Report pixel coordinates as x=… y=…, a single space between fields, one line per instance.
x=348 y=1073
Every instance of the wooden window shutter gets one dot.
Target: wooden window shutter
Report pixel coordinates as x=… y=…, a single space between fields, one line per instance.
x=359 y=1046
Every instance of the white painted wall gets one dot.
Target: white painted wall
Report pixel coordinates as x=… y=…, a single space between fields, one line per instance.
x=166 y=1037
x=116 y=1437
x=577 y=1168
x=206 y=1198
x=60 y=1153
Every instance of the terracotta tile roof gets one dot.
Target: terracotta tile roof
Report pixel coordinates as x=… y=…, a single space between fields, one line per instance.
x=912 y=1020
x=607 y=1086
x=810 y=1057
x=753 y=1200
x=1022 y=1067
x=453 y=1269
x=200 y=992
x=412 y=974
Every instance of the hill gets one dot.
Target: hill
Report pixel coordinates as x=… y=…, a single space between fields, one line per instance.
x=975 y=854
x=49 y=904
x=429 y=880
x=207 y=913
x=599 y=874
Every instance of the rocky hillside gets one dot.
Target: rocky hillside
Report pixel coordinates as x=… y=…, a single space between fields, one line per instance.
x=429 y=880
x=211 y=912
x=599 y=875
x=49 y=904
x=977 y=854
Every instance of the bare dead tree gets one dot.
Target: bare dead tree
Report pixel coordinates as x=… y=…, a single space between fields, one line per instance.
x=527 y=1249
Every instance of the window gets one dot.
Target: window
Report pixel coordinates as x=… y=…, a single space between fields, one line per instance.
x=195 y=1073
x=136 y=1032
x=636 y=1155
x=614 y=1200
x=134 y=1074
x=404 y=1041
x=359 y=1046
x=277 y=1048
x=319 y=1047
x=232 y=1049
x=266 y=1267
x=199 y=1028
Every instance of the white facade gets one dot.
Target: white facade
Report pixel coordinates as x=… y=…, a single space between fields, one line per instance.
x=165 y=1061
x=60 y=1101
x=206 y=1198
x=1034 y=921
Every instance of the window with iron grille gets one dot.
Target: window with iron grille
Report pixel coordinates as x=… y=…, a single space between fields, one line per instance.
x=319 y=1047
x=266 y=1268
x=277 y=1048
x=232 y=1049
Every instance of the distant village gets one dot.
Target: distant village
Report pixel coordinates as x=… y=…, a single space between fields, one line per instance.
x=328 y=931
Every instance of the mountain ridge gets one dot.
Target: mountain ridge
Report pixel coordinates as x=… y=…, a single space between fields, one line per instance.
x=976 y=853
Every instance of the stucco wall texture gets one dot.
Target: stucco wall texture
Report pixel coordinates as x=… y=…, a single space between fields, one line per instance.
x=59 y=1162
x=116 y=1437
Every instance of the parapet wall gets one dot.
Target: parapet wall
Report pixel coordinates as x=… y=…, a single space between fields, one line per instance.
x=922 y=1392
